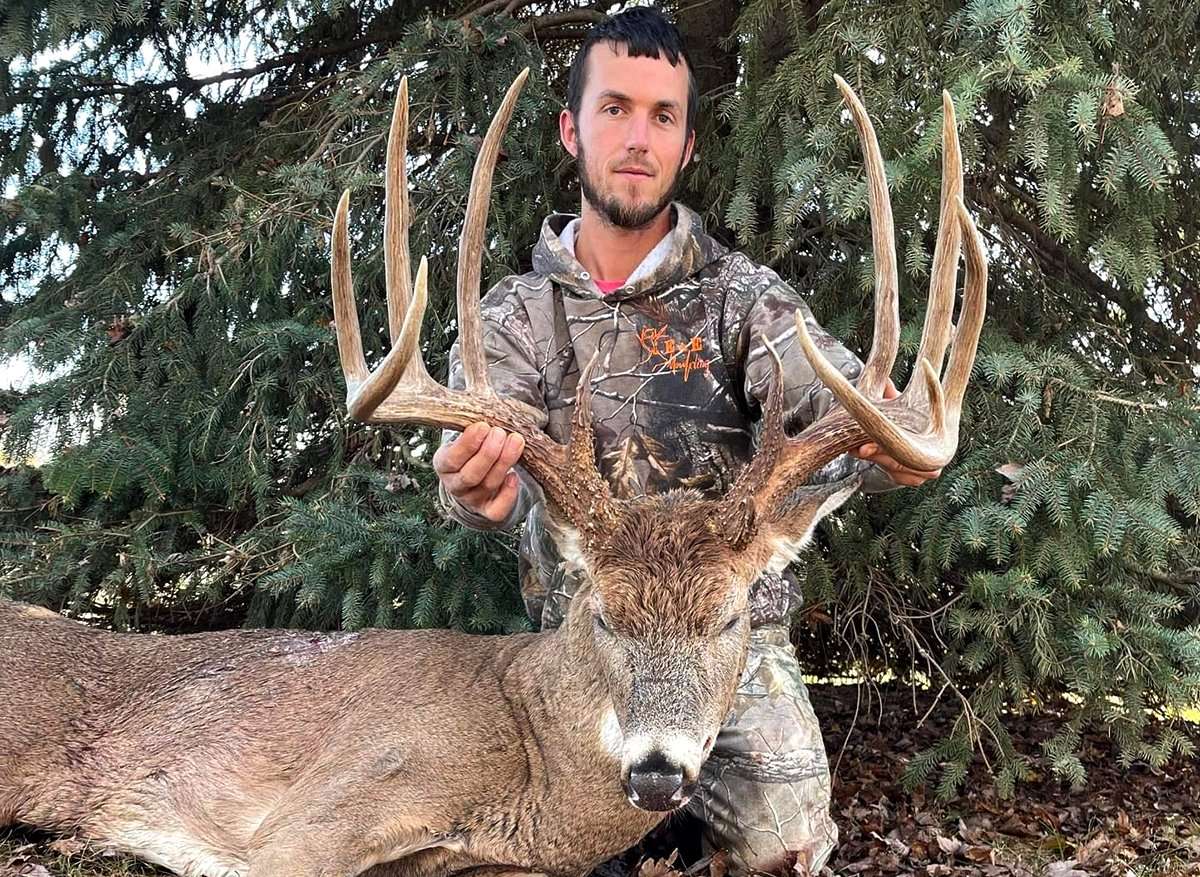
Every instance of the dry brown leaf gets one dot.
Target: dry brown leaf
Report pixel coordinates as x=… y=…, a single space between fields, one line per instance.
x=1066 y=868
x=1014 y=472
x=718 y=865
x=31 y=869
x=118 y=329
x=660 y=867
x=67 y=846
x=1091 y=853
x=19 y=854
x=1114 y=104
x=951 y=846
x=893 y=842
x=978 y=854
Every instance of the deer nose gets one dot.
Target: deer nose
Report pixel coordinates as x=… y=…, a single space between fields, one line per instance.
x=656 y=783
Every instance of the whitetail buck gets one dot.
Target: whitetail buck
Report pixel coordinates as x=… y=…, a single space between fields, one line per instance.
x=264 y=753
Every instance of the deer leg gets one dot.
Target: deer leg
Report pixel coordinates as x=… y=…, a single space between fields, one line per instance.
x=342 y=832
x=278 y=863
x=317 y=848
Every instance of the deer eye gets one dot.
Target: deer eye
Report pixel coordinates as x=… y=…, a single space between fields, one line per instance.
x=601 y=624
x=731 y=625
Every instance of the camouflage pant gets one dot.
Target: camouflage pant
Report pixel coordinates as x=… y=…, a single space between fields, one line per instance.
x=764 y=792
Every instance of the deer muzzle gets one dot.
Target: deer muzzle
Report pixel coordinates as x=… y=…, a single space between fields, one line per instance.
x=660 y=775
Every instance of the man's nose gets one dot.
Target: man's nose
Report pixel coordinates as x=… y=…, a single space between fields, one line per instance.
x=637 y=133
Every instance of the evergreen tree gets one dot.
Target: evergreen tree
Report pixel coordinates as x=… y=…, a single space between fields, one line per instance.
x=164 y=262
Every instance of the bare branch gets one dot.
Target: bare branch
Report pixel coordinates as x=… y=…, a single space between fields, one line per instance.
x=189 y=85
x=558 y=19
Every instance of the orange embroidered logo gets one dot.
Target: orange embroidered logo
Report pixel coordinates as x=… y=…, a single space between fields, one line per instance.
x=675 y=356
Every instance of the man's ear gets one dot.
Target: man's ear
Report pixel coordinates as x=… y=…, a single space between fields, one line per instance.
x=568 y=133
x=689 y=149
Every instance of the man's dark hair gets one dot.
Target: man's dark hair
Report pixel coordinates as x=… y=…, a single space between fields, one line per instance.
x=645 y=33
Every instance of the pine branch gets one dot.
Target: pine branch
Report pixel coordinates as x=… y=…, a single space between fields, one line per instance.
x=479 y=11
x=558 y=34
x=1185 y=584
x=1054 y=257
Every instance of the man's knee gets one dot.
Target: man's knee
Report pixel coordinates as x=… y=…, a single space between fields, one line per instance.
x=765 y=791
x=768 y=821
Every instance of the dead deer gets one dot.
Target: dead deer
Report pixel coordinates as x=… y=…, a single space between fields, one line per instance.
x=263 y=753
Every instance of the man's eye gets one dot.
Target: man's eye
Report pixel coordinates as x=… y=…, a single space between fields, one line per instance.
x=612 y=111
x=665 y=119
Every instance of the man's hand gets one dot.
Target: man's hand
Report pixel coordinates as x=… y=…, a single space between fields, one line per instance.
x=476 y=469
x=897 y=472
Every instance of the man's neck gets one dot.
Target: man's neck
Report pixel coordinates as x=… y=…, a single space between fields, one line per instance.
x=612 y=253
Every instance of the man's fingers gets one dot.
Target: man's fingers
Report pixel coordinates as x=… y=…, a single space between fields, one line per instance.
x=514 y=444
x=499 y=507
x=866 y=452
x=900 y=473
x=474 y=470
x=452 y=457
x=491 y=504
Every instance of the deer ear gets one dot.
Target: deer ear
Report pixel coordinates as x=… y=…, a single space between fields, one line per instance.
x=790 y=527
x=568 y=541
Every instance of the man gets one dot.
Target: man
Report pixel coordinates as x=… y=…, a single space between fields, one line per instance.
x=677 y=319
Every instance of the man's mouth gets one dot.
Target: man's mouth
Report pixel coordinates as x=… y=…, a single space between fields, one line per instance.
x=634 y=172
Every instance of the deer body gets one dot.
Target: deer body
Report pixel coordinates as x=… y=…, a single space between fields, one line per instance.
x=213 y=753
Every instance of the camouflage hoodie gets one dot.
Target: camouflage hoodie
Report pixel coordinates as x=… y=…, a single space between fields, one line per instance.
x=676 y=395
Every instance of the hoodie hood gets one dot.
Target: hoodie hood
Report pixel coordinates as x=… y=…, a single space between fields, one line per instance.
x=689 y=250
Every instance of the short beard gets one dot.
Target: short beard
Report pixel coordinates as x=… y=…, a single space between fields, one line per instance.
x=621 y=215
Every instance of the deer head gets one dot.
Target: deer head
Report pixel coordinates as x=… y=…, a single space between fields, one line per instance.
x=662 y=620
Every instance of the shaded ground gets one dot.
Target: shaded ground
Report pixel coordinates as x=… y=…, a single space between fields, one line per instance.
x=1133 y=822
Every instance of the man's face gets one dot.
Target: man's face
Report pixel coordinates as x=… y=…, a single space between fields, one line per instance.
x=630 y=137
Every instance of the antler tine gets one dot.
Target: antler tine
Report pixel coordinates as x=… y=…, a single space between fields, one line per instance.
x=970 y=319
x=405 y=315
x=920 y=429
x=878 y=367
x=922 y=435
x=396 y=369
x=396 y=219
x=396 y=260
x=935 y=335
x=345 y=313
x=470 y=247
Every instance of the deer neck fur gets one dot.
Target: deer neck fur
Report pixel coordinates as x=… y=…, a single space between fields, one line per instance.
x=571 y=802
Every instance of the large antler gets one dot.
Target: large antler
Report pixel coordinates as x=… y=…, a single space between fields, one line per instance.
x=400 y=389
x=920 y=427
